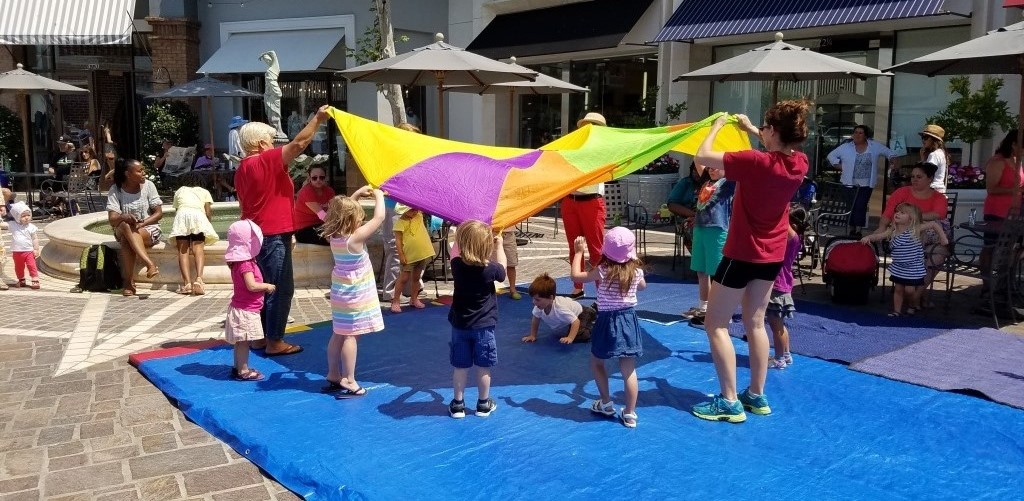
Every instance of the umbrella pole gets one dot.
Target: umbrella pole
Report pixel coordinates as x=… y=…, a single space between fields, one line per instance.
x=24 y=133
x=439 y=75
x=1020 y=124
x=209 y=118
x=511 y=114
x=775 y=92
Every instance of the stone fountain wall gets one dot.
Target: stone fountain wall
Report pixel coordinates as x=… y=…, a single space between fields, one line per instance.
x=68 y=237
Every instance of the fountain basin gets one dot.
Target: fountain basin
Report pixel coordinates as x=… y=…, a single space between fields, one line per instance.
x=68 y=237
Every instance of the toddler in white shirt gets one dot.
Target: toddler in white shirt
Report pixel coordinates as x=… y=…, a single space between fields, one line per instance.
x=559 y=313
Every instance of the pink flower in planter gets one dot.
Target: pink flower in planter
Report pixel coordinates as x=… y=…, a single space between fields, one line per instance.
x=965 y=177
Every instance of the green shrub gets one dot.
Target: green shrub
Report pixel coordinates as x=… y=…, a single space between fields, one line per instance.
x=171 y=119
x=11 y=145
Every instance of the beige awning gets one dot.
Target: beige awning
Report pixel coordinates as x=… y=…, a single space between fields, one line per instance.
x=315 y=49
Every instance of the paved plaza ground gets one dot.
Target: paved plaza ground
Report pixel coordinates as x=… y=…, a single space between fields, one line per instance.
x=78 y=423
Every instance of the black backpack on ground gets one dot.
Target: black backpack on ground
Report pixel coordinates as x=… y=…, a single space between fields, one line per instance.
x=99 y=269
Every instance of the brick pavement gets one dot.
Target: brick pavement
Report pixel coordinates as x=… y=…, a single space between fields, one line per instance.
x=78 y=423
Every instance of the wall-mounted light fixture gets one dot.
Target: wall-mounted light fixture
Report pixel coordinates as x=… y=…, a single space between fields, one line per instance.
x=167 y=77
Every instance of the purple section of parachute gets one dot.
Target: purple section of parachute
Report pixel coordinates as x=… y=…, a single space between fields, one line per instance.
x=477 y=179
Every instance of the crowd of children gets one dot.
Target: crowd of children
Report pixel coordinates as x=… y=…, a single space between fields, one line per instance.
x=483 y=256
x=480 y=258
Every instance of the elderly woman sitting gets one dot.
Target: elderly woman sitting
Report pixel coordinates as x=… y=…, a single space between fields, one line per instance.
x=933 y=207
x=134 y=211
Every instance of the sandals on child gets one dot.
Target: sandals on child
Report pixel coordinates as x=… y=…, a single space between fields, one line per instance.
x=628 y=419
x=894 y=314
x=249 y=375
x=602 y=408
x=198 y=287
x=185 y=290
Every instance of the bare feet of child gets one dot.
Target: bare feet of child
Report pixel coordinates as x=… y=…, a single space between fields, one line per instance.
x=416 y=303
x=396 y=308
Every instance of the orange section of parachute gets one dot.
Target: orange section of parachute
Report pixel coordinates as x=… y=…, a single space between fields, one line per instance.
x=524 y=190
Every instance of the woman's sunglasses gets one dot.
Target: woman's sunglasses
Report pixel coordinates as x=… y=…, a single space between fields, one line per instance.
x=317 y=178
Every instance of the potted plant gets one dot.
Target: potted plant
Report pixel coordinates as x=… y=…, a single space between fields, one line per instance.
x=161 y=120
x=969 y=117
x=651 y=184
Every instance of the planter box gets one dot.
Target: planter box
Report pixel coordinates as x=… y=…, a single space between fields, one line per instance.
x=649 y=190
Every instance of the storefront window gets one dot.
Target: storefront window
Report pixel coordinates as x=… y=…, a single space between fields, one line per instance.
x=540 y=115
x=302 y=94
x=917 y=97
x=624 y=90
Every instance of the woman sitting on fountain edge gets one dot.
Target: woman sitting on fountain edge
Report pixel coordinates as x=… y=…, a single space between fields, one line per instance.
x=134 y=211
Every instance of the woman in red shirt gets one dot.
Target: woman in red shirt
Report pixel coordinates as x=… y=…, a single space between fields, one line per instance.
x=754 y=249
x=312 y=200
x=1003 y=182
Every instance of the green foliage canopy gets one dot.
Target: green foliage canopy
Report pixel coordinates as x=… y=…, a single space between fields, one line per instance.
x=169 y=119
x=973 y=115
x=11 y=142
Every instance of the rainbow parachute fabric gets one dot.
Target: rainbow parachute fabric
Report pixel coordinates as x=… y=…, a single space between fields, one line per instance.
x=500 y=185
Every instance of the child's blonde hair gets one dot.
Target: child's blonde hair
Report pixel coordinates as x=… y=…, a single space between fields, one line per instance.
x=476 y=242
x=344 y=215
x=618 y=273
x=915 y=219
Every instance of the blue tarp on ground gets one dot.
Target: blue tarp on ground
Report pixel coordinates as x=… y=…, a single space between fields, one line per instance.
x=835 y=433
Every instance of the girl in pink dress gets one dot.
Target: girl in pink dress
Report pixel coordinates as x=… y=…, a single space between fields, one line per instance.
x=243 y=324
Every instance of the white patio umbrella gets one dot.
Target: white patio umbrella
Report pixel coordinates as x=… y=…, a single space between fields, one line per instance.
x=209 y=88
x=543 y=84
x=25 y=82
x=439 y=64
x=999 y=51
x=780 y=61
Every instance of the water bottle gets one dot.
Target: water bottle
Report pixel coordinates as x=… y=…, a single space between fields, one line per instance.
x=973 y=217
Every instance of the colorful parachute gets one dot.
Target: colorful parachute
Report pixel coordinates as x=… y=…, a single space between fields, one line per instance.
x=502 y=186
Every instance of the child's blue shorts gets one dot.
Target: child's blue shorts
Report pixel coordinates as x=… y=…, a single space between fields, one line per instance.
x=471 y=347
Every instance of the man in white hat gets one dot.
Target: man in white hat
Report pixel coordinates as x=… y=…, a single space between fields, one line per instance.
x=583 y=212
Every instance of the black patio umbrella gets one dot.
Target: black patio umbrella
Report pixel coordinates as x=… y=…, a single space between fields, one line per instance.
x=209 y=88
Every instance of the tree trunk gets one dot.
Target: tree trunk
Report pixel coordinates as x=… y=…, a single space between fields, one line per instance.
x=392 y=92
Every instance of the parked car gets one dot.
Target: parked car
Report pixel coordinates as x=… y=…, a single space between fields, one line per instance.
x=835 y=135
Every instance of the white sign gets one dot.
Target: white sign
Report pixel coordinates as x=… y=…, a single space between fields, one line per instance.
x=898 y=144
